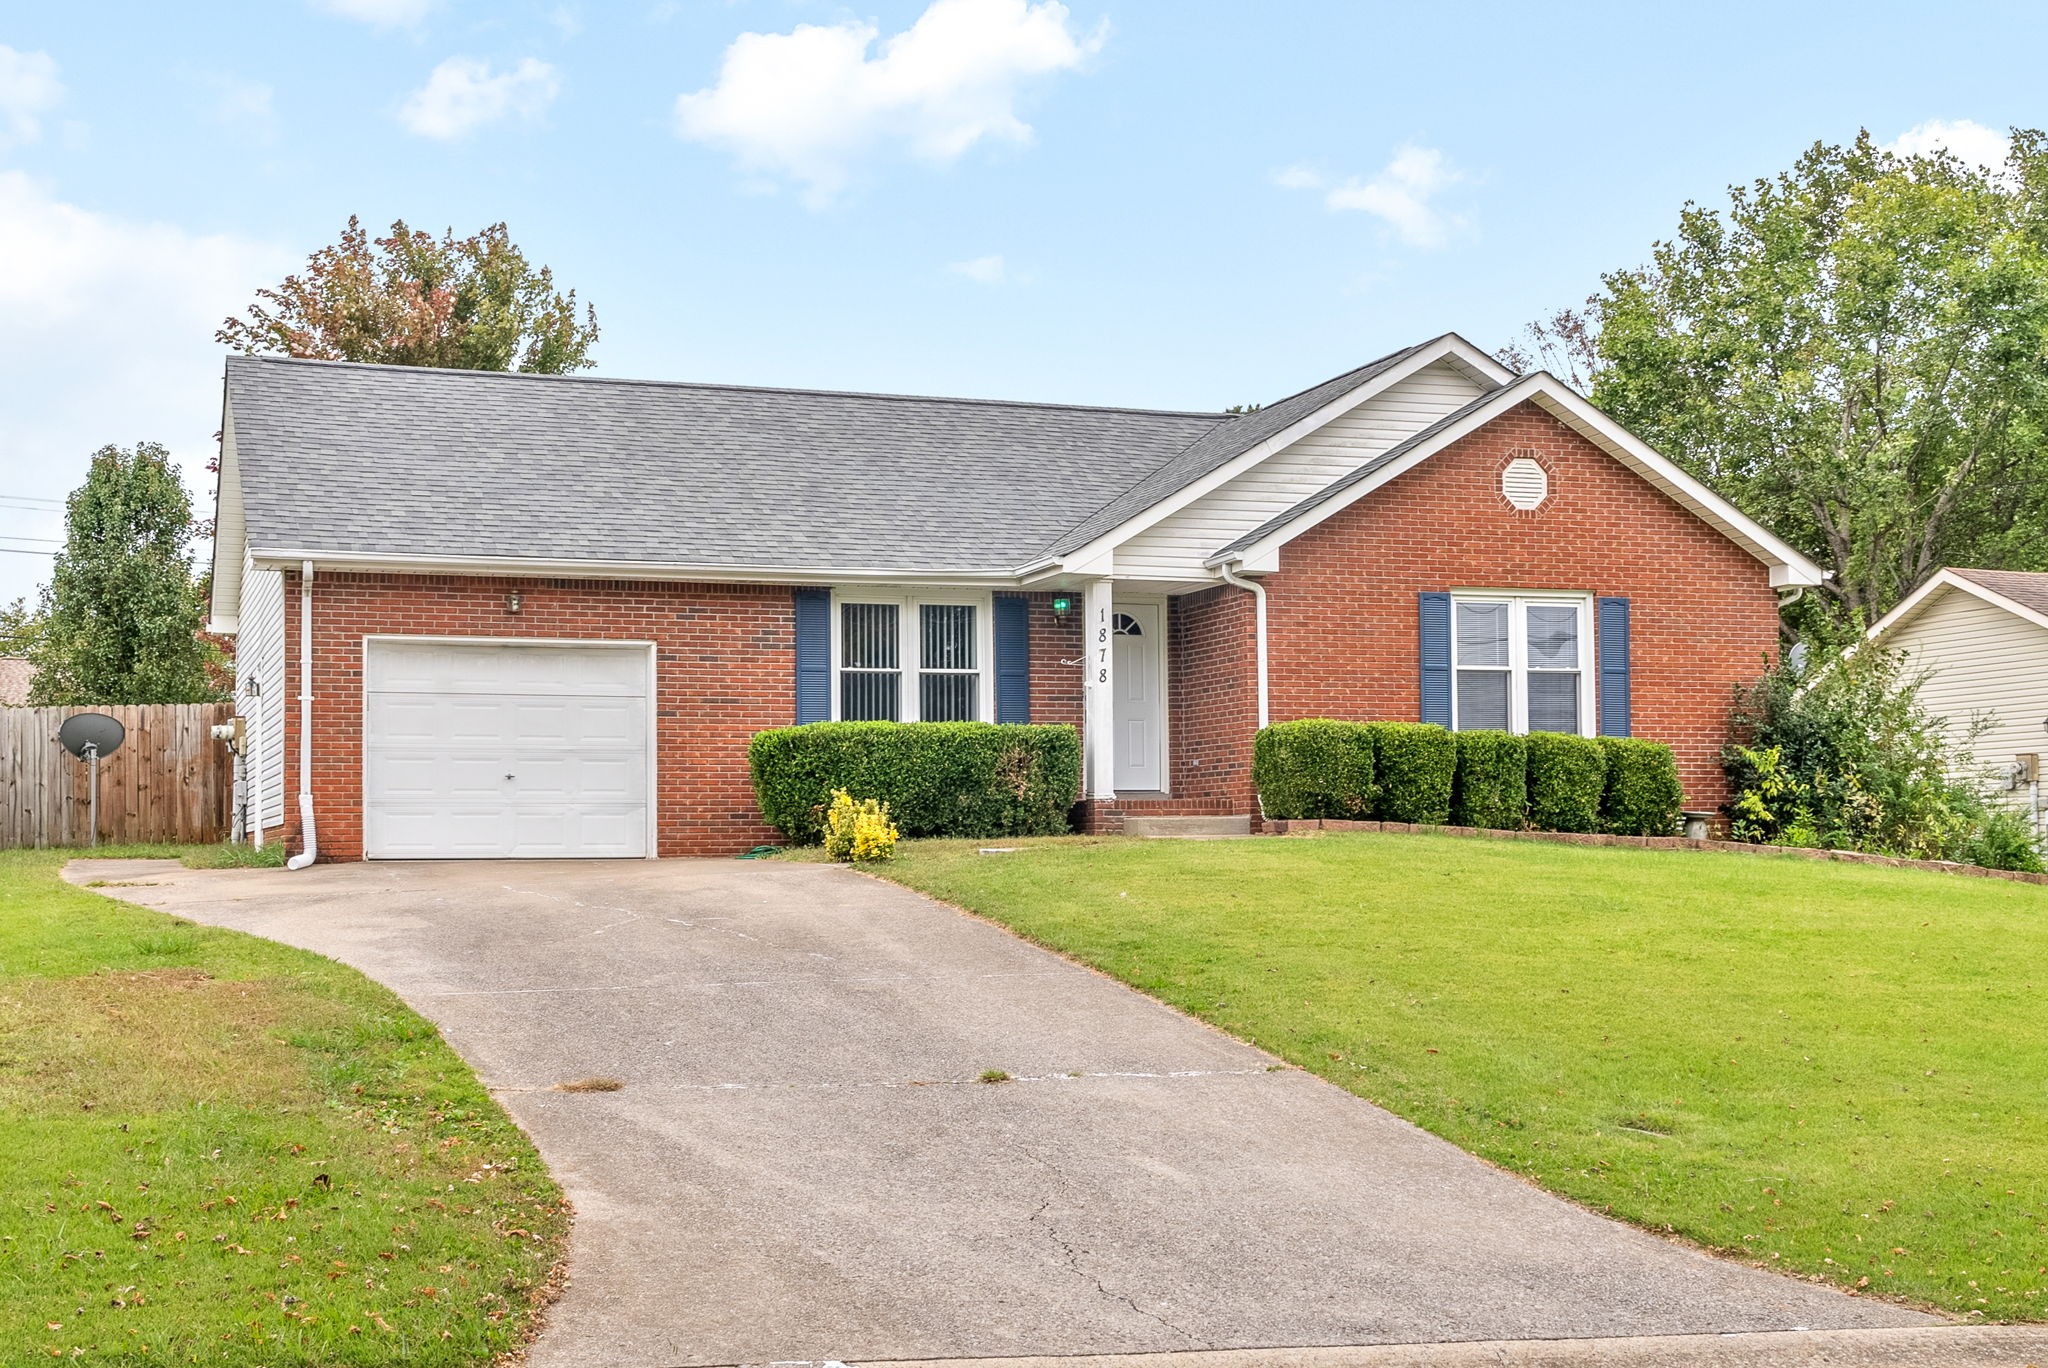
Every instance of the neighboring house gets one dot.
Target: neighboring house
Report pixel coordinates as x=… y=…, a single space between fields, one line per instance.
x=16 y=674
x=1980 y=639
x=548 y=613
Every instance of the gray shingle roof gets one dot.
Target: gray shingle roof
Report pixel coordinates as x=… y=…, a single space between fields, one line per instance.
x=337 y=457
x=2028 y=588
x=1222 y=444
x=1364 y=472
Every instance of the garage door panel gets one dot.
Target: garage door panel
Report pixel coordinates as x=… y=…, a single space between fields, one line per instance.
x=447 y=723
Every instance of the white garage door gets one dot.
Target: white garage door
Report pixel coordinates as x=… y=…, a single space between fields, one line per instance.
x=485 y=751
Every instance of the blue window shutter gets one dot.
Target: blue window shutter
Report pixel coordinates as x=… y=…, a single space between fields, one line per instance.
x=813 y=655
x=1013 y=658
x=1613 y=647
x=1436 y=658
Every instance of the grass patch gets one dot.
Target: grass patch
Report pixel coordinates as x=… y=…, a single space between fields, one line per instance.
x=1830 y=1069
x=994 y=1076
x=234 y=855
x=224 y=1150
x=590 y=1085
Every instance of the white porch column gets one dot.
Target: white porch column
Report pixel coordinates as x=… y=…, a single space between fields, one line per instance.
x=1098 y=713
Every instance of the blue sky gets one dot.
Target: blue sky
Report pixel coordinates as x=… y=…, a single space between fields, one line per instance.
x=1185 y=204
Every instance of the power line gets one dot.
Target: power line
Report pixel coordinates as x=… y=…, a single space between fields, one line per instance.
x=25 y=551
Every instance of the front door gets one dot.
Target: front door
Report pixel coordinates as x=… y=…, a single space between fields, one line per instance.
x=1139 y=634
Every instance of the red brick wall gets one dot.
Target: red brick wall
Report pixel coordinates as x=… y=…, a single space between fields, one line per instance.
x=1212 y=695
x=1055 y=688
x=1342 y=608
x=726 y=669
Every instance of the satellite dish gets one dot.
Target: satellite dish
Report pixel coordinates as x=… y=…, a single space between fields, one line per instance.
x=96 y=733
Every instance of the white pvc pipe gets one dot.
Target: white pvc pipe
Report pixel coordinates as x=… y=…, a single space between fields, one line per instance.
x=312 y=847
x=252 y=770
x=1259 y=611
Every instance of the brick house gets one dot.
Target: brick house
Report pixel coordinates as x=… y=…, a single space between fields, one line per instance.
x=543 y=615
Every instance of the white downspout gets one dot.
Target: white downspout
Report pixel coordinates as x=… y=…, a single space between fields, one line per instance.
x=1259 y=608
x=252 y=769
x=312 y=847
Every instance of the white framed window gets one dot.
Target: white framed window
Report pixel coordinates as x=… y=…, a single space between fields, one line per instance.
x=1522 y=662
x=912 y=657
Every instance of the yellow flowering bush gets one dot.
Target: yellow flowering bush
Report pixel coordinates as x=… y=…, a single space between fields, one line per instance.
x=858 y=831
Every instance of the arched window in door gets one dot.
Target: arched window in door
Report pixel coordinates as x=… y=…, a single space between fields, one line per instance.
x=1126 y=625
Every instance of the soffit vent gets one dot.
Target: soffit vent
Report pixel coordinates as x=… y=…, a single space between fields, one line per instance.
x=1525 y=483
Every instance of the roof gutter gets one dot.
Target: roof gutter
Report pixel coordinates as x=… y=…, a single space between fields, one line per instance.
x=557 y=568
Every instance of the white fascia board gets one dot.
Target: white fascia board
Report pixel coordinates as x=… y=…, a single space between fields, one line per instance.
x=279 y=558
x=1449 y=347
x=1787 y=566
x=230 y=539
x=1910 y=606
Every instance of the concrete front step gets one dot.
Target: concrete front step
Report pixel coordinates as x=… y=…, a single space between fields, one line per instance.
x=1184 y=827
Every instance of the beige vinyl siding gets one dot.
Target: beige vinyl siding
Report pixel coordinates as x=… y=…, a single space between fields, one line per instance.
x=259 y=656
x=1176 y=548
x=1982 y=662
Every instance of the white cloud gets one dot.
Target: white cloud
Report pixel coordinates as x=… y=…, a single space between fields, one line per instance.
x=809 y=103
x=381 y=13
x=1402 y=195
x=1972 y=143
x=106 y=335
x=462 y=96
x=28 y=88
x=982 y=270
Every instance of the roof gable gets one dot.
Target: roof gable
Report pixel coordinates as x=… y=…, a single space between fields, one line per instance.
x=2022 y=593
x=1788 y=566
x=1230 y=448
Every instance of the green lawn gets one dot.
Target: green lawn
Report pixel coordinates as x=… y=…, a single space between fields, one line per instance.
x=1831 y=1069
x=220 y=1150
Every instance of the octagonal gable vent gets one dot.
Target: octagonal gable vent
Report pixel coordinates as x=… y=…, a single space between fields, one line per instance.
x=1525 y=483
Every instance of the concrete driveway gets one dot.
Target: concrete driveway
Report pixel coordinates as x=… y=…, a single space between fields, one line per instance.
x=801 y=1165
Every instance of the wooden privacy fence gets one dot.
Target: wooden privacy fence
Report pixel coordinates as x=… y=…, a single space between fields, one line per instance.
x=170 y=781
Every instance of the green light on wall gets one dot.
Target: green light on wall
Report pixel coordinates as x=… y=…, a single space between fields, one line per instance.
x=1062 y=606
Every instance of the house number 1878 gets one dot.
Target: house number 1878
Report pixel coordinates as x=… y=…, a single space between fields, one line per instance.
x=1102 y=648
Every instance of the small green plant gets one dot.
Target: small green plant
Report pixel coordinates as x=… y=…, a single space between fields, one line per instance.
x=859 y=831
x=994 y=1076
x=1492 y=783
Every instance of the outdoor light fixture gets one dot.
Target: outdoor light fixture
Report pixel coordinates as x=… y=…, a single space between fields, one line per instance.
x=1062 y=606
x=512 y=602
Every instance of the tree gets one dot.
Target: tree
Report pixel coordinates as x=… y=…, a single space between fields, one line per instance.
x=121 y=616
x=410 y=299
x=1855 y=352
x=20 y=625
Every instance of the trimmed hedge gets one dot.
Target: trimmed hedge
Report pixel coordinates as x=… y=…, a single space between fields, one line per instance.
x=1567 y=777
x=1414 y=764
x=1418 y=772
x=971 y=779
x=1314 y=768
x=1491 y=788
x=1642 y=796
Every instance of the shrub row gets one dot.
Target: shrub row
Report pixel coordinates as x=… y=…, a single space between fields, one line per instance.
x=971 y=779
x=1417 y=772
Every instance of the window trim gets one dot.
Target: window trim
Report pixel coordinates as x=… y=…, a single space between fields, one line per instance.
x=909 y=645
x=1518 y=669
